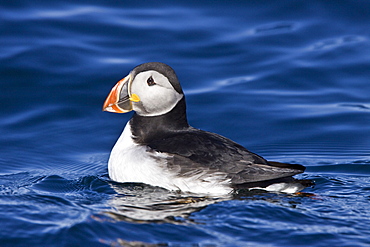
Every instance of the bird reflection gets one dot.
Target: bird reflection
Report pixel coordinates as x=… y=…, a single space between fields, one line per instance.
x=141 y=203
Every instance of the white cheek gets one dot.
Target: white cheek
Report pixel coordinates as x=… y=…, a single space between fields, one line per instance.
x=160 y=100
x=154 y=100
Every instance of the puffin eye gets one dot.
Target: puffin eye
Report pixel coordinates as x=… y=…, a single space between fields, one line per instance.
x=150 y=81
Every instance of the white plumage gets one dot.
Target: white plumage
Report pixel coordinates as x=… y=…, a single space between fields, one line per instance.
x=131 y=162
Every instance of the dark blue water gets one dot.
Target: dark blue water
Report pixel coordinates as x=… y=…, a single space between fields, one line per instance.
x=289 y=80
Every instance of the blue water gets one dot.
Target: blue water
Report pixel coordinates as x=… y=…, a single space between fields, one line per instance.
x=289 y=80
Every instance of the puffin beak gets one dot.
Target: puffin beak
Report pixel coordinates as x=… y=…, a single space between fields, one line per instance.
x=119 y=99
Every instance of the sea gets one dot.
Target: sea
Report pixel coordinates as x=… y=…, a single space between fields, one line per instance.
x=288 y=80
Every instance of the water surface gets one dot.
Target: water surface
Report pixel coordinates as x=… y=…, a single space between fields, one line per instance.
x=287 y=80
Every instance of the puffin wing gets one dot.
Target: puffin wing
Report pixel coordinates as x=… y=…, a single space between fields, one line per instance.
x=199 y=152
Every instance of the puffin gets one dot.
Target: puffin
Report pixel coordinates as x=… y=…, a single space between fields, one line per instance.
x=158 y=147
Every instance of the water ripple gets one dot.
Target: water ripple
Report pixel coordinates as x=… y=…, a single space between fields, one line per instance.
x=288 y=81
x=274 y=28
x=334 y=43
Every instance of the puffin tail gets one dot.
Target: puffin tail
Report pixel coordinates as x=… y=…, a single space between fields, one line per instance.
x=297 y=167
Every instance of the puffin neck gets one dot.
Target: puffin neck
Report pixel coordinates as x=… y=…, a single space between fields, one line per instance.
x=146 y=129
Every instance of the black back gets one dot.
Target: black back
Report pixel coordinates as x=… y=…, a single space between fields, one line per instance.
x=194 y=151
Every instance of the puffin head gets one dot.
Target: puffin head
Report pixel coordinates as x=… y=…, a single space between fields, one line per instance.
x=150 y=89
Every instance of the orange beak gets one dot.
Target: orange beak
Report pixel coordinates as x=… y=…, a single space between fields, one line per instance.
x=118 y=100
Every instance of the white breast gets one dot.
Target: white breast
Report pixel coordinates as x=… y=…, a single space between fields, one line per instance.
x=130 y=162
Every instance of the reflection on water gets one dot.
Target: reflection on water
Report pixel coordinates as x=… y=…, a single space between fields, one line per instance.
x=144 y=203
x=141 y=203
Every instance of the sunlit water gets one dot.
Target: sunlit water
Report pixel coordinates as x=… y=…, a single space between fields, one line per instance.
x=289 y=80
